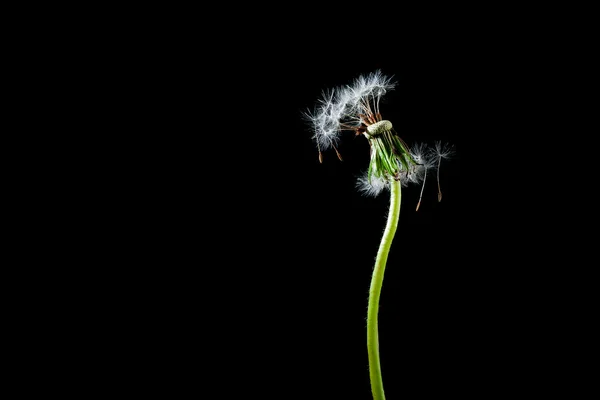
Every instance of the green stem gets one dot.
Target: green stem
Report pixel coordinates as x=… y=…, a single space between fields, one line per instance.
x=375 y=291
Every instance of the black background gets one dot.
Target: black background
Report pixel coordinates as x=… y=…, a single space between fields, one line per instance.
x=251 y=261
x=274 y=251
x=320 y=237
x=189 y=244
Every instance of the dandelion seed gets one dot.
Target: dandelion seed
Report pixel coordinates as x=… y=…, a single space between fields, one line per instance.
x=442 y=150
x=418 y=173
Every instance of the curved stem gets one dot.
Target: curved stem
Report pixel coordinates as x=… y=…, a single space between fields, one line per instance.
x=375 y=291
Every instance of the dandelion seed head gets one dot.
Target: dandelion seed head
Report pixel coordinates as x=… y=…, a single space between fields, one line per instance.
x=339 y=109
x=355 y=107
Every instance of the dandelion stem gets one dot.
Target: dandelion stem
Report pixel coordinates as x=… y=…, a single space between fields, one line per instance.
x=438 y=180
x=375 y=291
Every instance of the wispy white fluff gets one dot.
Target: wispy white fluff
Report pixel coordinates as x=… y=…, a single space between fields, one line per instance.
x=339 y=108
x=425 y=160
x=363 y=96
x=343 y=108
x=443 y=150
x=424 y=156
x=371 y=187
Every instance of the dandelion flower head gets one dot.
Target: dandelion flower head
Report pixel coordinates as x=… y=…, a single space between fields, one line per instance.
x=356 y=108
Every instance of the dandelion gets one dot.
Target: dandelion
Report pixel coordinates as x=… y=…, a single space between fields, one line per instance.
x=393 y=165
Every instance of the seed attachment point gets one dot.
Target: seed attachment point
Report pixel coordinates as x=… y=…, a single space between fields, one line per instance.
x=379 y=127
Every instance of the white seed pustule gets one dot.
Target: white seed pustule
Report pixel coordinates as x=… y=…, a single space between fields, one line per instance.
x=379 y=127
